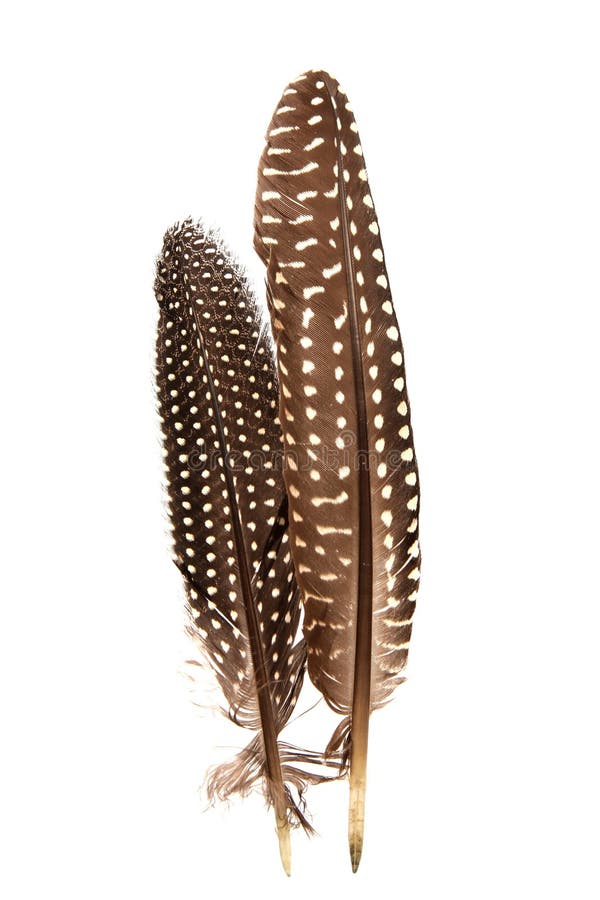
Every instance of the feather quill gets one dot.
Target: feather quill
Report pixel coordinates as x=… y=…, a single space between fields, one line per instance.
x=217 y=391
x=350 y=467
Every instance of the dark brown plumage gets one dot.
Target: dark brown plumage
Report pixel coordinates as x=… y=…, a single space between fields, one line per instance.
x=217 y=391
x=351 y=472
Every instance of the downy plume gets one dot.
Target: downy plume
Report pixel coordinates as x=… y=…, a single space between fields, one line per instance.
x=350 y=473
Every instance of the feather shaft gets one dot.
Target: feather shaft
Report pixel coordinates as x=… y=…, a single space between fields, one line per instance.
x=361 y=690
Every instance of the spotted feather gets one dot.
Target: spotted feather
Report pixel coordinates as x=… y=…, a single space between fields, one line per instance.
x=350 y=472
x=217 y=390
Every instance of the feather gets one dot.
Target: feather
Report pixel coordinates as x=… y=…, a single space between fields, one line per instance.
x=350 y=468
x=217 y=390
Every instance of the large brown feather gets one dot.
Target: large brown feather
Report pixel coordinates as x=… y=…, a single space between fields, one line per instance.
x=351 y=472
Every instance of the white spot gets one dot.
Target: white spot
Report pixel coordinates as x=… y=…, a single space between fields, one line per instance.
x=314 y=143
x=309 y=167
x=336 y=501
x=341 y=319
x=382 y=281
x=387 y=518
x=310 y=291
x=328 y=273
x=282 y=130
x=309 y=242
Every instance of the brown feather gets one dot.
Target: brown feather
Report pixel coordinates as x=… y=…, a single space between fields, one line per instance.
x=217 y=390
x=351 y=472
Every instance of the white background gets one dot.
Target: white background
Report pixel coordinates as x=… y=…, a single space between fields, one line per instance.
x=481 y=133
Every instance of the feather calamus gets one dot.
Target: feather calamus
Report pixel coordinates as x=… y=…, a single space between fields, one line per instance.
x=350 y=472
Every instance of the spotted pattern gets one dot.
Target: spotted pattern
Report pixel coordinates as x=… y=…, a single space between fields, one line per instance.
x=217 y=393
x=343 y=387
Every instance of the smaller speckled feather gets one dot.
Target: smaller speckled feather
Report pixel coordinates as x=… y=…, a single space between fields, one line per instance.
x=217 y=391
